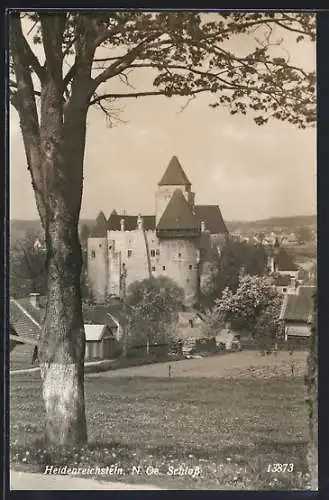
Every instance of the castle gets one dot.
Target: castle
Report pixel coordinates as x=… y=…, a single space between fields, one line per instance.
x=179 y=241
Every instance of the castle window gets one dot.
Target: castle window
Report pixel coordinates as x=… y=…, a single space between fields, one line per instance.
x=129 y=253
x=100 y=245
x=190 y=267
x=110 y=247
x=93 y=254
x=152 y=253
x=153 y=268
x=158 y=252
x=163 y=268
x=179 y=255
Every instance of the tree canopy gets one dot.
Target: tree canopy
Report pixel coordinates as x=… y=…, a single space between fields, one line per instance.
x=254 y=308
x=154 y=304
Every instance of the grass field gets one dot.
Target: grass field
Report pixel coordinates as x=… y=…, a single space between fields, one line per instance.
x=232 y=429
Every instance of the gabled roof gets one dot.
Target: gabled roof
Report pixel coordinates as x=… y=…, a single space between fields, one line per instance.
x=114 y=222
x=100 y=228
x=284 y=261
x=178 y=214
x=106 y=314
x=212 y=217
x=25 y=319
x=174 y=175
x=299 y=307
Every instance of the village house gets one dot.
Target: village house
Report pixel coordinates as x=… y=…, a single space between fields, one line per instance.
x=104 y=325
x=296 y=315
x=281 y=263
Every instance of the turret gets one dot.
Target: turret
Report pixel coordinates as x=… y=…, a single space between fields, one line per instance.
x=173 y=178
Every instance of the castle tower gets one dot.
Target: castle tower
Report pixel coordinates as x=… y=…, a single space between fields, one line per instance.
x=178 y=232
x=173 y=178
x=97 y=256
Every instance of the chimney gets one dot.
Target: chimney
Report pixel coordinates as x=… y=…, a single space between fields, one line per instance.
x=139 y=222
x=35 y=299
x=293 y=282
x=203 y=226
x=122 y=224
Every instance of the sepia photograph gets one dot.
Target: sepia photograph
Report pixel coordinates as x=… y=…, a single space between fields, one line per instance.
x=163 y=250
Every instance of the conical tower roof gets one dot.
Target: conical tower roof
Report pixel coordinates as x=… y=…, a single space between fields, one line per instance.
x=100 y=228
x=174 y=175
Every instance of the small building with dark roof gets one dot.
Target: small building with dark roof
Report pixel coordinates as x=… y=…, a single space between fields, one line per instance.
x=128 y=248
x=296 y=314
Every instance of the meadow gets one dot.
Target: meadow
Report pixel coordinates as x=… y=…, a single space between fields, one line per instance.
x=231 y=430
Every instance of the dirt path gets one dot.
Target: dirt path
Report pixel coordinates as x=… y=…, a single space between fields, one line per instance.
x=240 y=364
x=31 y=481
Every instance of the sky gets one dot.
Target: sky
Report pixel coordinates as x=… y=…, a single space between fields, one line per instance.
x=251 y=172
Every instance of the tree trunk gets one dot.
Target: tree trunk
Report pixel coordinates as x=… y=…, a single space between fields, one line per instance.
x=62 y=343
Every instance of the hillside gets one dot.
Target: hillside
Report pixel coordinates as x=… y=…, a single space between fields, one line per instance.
x=291 y=222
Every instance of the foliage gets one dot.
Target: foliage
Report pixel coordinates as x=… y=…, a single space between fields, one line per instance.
x=155 y=303
x=235 y=257
x=253 y=308
x=27 y=267
x=188 y=53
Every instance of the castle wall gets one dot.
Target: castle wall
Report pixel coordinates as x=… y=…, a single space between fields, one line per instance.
x=163 y=196
x=180 y=259
x=133 y=253
x=98 y=267
x=175 y=258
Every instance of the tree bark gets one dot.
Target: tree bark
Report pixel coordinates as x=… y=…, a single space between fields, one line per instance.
x=62 y=342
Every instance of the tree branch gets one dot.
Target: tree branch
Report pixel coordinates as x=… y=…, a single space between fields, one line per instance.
x=140 y=94
x=123 y=63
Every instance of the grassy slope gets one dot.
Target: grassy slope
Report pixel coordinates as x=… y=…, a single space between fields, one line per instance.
x=231 y=429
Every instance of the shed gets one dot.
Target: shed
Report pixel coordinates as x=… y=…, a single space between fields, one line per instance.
x=100 y=343
x=296 y=314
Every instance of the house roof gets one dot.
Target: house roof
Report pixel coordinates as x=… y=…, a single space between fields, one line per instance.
x=299 y=307
x=130 y=222
x=186 y=316
x=178 y=214
x=25 y=319
x=212 y=217
x=106 y=314
x=282 y=280
x=174 y=175
x=284 y=261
